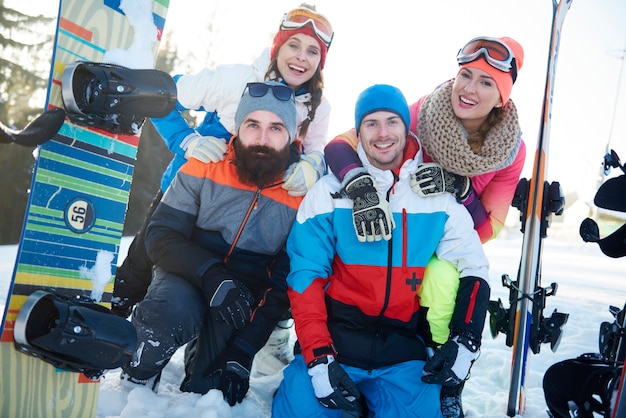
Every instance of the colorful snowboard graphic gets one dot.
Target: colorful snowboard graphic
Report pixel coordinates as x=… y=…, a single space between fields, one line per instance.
x=77 y=206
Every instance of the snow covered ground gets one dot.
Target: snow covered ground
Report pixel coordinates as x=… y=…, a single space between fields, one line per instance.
x=588 y=283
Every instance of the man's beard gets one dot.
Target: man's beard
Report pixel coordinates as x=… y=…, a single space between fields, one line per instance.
x=259 y=165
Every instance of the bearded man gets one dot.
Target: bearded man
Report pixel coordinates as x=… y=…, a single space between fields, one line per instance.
x=217 y=240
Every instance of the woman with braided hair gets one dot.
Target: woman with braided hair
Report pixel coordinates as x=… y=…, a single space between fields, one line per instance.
x=472 y=145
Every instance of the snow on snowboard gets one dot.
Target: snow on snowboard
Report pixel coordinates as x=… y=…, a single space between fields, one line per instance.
x=57 y=307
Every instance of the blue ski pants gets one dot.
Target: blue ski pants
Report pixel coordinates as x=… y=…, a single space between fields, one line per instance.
x=390 y=392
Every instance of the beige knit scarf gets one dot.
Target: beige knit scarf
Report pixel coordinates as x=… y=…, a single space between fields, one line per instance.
x=445 y=139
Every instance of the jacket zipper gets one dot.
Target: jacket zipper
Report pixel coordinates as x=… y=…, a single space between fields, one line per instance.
x=243 y=224
x=379 y=331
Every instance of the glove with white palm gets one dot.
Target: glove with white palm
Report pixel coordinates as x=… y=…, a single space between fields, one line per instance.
x=207 y=149
x=302 y=175
x=333 y=387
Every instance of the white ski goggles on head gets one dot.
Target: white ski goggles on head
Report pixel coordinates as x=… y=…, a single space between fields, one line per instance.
x=494 y=51
x=300 y=17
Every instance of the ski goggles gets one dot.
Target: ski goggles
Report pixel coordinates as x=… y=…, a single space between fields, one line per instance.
x=282 y=93
x=300 y=17
x=495 y=52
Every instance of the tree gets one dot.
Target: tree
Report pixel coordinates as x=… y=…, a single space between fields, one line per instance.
x=26 y=44
x=26 y=47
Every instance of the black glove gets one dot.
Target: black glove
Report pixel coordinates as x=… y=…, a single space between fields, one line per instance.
x=373 y=220
x=233 y=368
x=122 y=307
x=333 y=387
x=229 y=299
x=432 y=179
x=452 y=362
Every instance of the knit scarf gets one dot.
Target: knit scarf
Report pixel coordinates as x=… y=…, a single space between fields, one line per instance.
x=445 y=139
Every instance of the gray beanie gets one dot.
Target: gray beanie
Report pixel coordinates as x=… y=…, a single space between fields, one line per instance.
x=284 y=109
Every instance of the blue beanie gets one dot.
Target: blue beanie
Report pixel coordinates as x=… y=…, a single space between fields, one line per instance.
x=381 y=97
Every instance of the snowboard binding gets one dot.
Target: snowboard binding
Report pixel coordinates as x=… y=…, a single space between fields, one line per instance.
x=115 y=98
x=553 y=203
x=542 y=329
x=611 y=195
x=73 y=334
x=501 y=319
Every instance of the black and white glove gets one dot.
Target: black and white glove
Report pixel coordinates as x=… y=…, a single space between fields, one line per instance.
x=372 y=216
x=452 y=362
x=229 y=300
x=432 y=179
x=233 y=368
x=333 y=387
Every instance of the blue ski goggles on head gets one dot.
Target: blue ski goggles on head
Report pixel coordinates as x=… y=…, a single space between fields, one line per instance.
x=282 y=93
x=495 y=52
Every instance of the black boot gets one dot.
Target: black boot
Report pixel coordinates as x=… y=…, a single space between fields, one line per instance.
x=451 y=406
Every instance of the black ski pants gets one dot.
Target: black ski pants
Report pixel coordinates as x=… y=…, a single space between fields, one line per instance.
x=172 y=314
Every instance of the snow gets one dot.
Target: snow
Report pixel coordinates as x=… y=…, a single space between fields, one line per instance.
x=588 y=283
x=139 y=54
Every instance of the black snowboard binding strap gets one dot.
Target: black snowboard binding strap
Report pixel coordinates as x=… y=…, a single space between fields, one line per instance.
x=73 y=334
x=40 y=130
x=611 y=195
x=115 y=98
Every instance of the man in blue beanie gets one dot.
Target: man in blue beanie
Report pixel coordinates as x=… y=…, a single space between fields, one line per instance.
x=359 y=322
x=217 y=240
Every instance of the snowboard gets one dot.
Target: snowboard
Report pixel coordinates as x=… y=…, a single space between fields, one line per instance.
x=77 y=204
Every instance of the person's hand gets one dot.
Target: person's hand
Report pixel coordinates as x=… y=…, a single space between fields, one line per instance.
x=302 y=175
x=333 y=387
x=432 y=179
x=372 y=216
x=233 y=368
x=207 y=149
x=122 y=306
x=229 y=300
x=452 y=362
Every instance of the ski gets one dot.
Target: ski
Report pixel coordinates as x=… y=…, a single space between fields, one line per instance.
x=57 y=333
x=619 y=410
x=542 y=199
x=35 y=133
